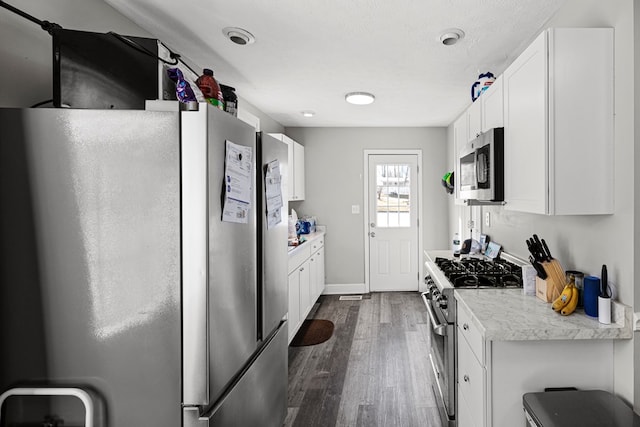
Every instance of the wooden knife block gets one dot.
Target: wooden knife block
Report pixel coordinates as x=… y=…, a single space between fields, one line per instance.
x=541 y=289
x=549 y=289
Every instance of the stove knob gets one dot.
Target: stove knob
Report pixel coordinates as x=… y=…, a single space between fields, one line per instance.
x=442 y=302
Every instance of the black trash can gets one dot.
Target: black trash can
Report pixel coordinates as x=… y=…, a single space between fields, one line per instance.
x=578 y=408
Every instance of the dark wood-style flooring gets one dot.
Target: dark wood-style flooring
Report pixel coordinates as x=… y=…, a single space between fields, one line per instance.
x=371 y=372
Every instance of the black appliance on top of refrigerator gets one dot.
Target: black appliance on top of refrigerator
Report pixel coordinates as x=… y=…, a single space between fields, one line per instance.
x=125 y=299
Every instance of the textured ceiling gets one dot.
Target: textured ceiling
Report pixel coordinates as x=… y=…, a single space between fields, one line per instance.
x=308 y=54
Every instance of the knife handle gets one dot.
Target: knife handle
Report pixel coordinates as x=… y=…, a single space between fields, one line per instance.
x=546 y=250
x=604 y=282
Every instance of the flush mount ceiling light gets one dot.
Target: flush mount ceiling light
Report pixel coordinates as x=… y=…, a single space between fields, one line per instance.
x=307 y=113
x=238 y=35
x=359 y=98
x=451 y=36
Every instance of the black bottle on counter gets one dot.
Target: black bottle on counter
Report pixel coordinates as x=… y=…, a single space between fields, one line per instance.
x=230 y=100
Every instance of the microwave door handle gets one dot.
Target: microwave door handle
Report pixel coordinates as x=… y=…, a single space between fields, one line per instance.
x=481 y=169
x=476 y=169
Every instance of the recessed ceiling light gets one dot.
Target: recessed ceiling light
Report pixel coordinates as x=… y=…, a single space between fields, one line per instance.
x=451 y=36
x=359 y=98
x=308 y=113
x=238 y=35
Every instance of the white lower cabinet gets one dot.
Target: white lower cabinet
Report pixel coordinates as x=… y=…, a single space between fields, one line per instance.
x=465 y=414
x=472 y=375
x=299 y=296
x=471 y=383
x=306 y=281
x=494 y=375
x=305 y=289
x=316 y=271
x=294 y=303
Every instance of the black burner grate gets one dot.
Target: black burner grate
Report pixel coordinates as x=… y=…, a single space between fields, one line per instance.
x=481 y=273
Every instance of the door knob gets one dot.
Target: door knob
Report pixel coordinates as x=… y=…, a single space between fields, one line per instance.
x=373 y=225
x=372 y=234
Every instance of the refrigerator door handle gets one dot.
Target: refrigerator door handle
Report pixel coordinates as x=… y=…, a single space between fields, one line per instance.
x=191 y=417
x=195 y=366
x=84 y=397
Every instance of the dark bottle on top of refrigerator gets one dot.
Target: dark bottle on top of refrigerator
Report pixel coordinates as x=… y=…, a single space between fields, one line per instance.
x=230 y=100
x=210 y=88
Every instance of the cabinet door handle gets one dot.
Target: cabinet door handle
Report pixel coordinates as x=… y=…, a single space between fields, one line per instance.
x=302 y=269
x=465 y=327
x=466 y=378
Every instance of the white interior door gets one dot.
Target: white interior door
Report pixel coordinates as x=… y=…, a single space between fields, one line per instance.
x=393 y=222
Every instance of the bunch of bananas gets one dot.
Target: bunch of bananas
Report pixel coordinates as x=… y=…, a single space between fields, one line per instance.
x=567 y=302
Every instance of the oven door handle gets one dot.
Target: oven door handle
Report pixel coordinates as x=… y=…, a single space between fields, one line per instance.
x=438 y=328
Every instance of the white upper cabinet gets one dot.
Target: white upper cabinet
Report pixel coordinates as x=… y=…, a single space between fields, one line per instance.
x=460 y=137
x=298 y=171
x=525 y=113
x=558 y=120
x=474 y=117
x=295 y=171
x=492 y=106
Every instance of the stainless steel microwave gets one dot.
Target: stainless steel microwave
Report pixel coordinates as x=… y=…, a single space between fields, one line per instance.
x=481 y=167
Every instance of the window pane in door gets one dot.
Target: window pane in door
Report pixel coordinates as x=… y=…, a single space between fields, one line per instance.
x=393 y=195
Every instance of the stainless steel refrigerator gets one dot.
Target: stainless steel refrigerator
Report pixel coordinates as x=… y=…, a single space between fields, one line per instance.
x=125 y=299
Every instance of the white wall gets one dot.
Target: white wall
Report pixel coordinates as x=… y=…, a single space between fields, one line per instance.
x=586 y=242
x=334 y=161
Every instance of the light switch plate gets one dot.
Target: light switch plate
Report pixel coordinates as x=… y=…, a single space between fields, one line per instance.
x=487 y=219
x=355 y=209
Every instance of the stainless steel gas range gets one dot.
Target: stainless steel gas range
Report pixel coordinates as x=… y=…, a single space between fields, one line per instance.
x=444 y=275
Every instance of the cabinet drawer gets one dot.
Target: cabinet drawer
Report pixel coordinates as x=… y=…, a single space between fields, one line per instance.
x=471 y=380
x=469 y=329
x=298 y=256
x=317 y=244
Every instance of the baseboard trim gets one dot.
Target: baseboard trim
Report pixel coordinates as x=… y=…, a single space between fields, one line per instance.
x=348 y=288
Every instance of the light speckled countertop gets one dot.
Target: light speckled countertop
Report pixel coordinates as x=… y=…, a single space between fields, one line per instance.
x=508 y=315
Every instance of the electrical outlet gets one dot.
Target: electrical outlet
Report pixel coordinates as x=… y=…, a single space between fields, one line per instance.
x=355 y=209
x=487 y=219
